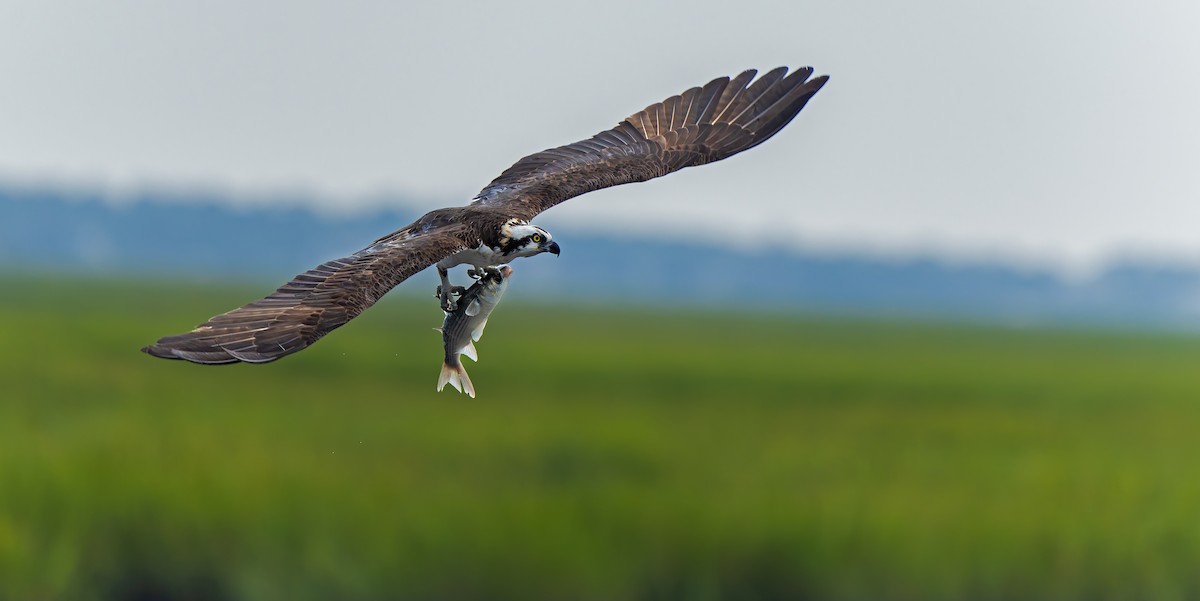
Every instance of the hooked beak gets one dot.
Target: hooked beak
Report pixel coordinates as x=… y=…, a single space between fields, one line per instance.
x=553 y=248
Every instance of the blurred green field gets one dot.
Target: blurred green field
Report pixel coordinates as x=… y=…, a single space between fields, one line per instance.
x=612 y=454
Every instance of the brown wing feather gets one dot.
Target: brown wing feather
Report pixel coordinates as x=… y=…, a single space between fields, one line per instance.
x=699 y=126
x=312 y=304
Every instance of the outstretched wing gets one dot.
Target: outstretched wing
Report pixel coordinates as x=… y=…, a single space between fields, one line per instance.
x=312 y=304
x=699 y=126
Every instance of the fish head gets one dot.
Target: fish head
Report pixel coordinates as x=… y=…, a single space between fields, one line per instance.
x=493 y=284
x=494 y=274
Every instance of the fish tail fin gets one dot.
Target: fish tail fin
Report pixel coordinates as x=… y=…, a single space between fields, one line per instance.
x=449 y=376
x=456 y=376
x=468 y=387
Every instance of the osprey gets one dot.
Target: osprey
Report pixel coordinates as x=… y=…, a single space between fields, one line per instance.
x=702 y=125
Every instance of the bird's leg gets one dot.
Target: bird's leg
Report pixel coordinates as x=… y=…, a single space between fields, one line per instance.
x=446 y=291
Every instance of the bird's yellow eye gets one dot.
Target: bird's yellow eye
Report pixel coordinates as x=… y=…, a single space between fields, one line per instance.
x=536 y=238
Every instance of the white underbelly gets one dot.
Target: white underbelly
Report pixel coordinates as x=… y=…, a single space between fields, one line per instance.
x=478 y=257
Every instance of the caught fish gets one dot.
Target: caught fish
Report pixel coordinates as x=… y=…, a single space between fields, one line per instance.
x=463 y=326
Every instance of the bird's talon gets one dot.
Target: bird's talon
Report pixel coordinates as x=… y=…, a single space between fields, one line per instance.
x=449 y=304
x=459 y=290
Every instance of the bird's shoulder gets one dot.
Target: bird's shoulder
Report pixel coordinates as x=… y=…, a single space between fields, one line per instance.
x=470 y=224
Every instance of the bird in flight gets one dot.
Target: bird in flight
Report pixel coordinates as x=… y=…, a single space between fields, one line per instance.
x=701 y=125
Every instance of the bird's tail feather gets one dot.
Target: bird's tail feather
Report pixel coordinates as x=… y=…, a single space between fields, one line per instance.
x=456 y=376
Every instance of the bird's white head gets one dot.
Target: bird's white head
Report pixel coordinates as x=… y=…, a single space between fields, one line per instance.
x=525 y=240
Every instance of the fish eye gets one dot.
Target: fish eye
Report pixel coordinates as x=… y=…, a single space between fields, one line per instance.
x=536 y=237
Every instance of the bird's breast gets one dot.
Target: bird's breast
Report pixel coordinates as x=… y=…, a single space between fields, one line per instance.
x=480 y=256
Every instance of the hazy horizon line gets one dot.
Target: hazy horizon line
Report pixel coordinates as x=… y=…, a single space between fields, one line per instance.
x=344 y=206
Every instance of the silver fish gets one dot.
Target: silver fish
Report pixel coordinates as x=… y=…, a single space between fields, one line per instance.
x=463 y=326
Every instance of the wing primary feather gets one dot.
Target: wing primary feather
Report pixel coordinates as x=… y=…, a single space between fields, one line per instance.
x=776 y=98
x=756 y=91
x=732 y=92
x=786 y=108
x=209 y=358
x=669 y=108
x=689 y=105
x=710 y=95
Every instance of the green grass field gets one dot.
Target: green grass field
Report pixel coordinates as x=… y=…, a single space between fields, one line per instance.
x=611 y=454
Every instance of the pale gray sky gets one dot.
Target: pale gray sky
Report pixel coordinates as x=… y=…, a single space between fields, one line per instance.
x=1061 y=133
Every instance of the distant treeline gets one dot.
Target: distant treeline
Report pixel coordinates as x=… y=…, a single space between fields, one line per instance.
x=203 y=236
